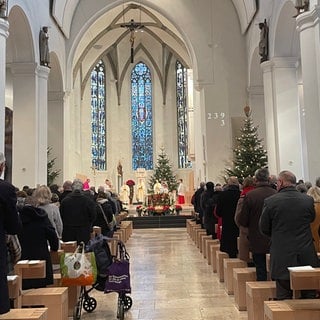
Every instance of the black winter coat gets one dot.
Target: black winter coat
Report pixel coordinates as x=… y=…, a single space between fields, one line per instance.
x=208 y=202
x=78 y=212
x=9 y=223
x=37 y=233
x=286 y=218
x=226 y=208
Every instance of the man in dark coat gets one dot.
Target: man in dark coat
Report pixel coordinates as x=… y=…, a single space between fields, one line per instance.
x=78 y=211
x=197 y=203
x=226 y=208
x=9 y=223
x=286 y=218
x=249 y=217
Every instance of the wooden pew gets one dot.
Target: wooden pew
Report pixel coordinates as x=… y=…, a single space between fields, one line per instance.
x=26 y=314
x=302 y=279
x=207 y=248
x=308 y=309
x=213 y=258
x=220 y=256
x=256 y=293
x=240 y=277
x=55 y=299
x=228 y=265
x=14 y=286
x=69 y=246
x=203 y=238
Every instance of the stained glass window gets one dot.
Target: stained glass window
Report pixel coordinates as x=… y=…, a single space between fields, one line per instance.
x=182 y=115
x=98 y=117
x=141 y=117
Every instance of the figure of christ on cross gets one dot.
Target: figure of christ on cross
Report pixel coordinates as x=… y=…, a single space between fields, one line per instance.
x=132 y=26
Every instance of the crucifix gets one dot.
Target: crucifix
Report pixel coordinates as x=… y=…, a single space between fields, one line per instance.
x=132 y=26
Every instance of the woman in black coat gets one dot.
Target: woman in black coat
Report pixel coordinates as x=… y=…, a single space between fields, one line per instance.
x=226 y=208
x=208 y=202
x=37 y=233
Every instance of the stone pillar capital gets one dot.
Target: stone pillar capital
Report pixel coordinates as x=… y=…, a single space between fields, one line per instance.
x=4 y=27
x=308 y=19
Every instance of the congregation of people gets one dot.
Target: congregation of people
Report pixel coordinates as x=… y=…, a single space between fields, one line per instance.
x=265 y=214
x=34 y=221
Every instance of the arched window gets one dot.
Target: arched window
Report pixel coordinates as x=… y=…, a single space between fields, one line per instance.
x=141 y=117
x=98 y=117
x=182 y=115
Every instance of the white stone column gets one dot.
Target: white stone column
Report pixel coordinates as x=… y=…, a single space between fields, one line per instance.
x=309 y=30
x=29 y=124
x=4 y=27
x=42 y=90
x=283 y=127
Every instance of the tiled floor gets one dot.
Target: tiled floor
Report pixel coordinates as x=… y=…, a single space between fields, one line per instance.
x=170 y=280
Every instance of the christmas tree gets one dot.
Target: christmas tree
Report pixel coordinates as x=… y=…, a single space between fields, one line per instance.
x=249 y=155
x=163 y=172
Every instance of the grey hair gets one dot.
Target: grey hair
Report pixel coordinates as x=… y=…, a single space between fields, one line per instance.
x=318 y=182
x=262 y=175
x=77 y=184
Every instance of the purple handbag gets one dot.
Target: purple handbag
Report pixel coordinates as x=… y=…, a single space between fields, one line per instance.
x=118 y=277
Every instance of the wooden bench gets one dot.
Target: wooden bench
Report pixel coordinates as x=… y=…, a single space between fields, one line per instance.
x=73 y=293
x=207 y=249
x=127 y=227
x=26 y=314
x=220 y=256
x=308 y=309
x=240 y=277
x=199 y=232
x=14 y=286
x=194 y=229
x=256 y=293
x=189 y=223
x=228 y=265
x=213 y=258
x=202 y=240
x=69 y=246
x=55 y=299
x=304 y=280
x=28 y=269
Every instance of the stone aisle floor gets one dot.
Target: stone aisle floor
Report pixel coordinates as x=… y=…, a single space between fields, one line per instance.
x=170 y=280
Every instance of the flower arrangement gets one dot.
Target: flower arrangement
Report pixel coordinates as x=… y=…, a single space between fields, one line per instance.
x=151 y=210
x=178 y=207
x=130 y=183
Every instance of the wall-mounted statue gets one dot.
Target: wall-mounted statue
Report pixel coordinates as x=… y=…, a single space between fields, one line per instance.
x=263 y=43
x=3 y=9
x=44 y=47
x=301 y=6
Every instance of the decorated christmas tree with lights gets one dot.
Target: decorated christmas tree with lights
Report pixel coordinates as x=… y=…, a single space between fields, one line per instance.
x=249 y=155
x=163 y=172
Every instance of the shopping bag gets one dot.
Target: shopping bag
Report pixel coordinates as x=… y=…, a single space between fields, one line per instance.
x=78 y=268
x=118 y=277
